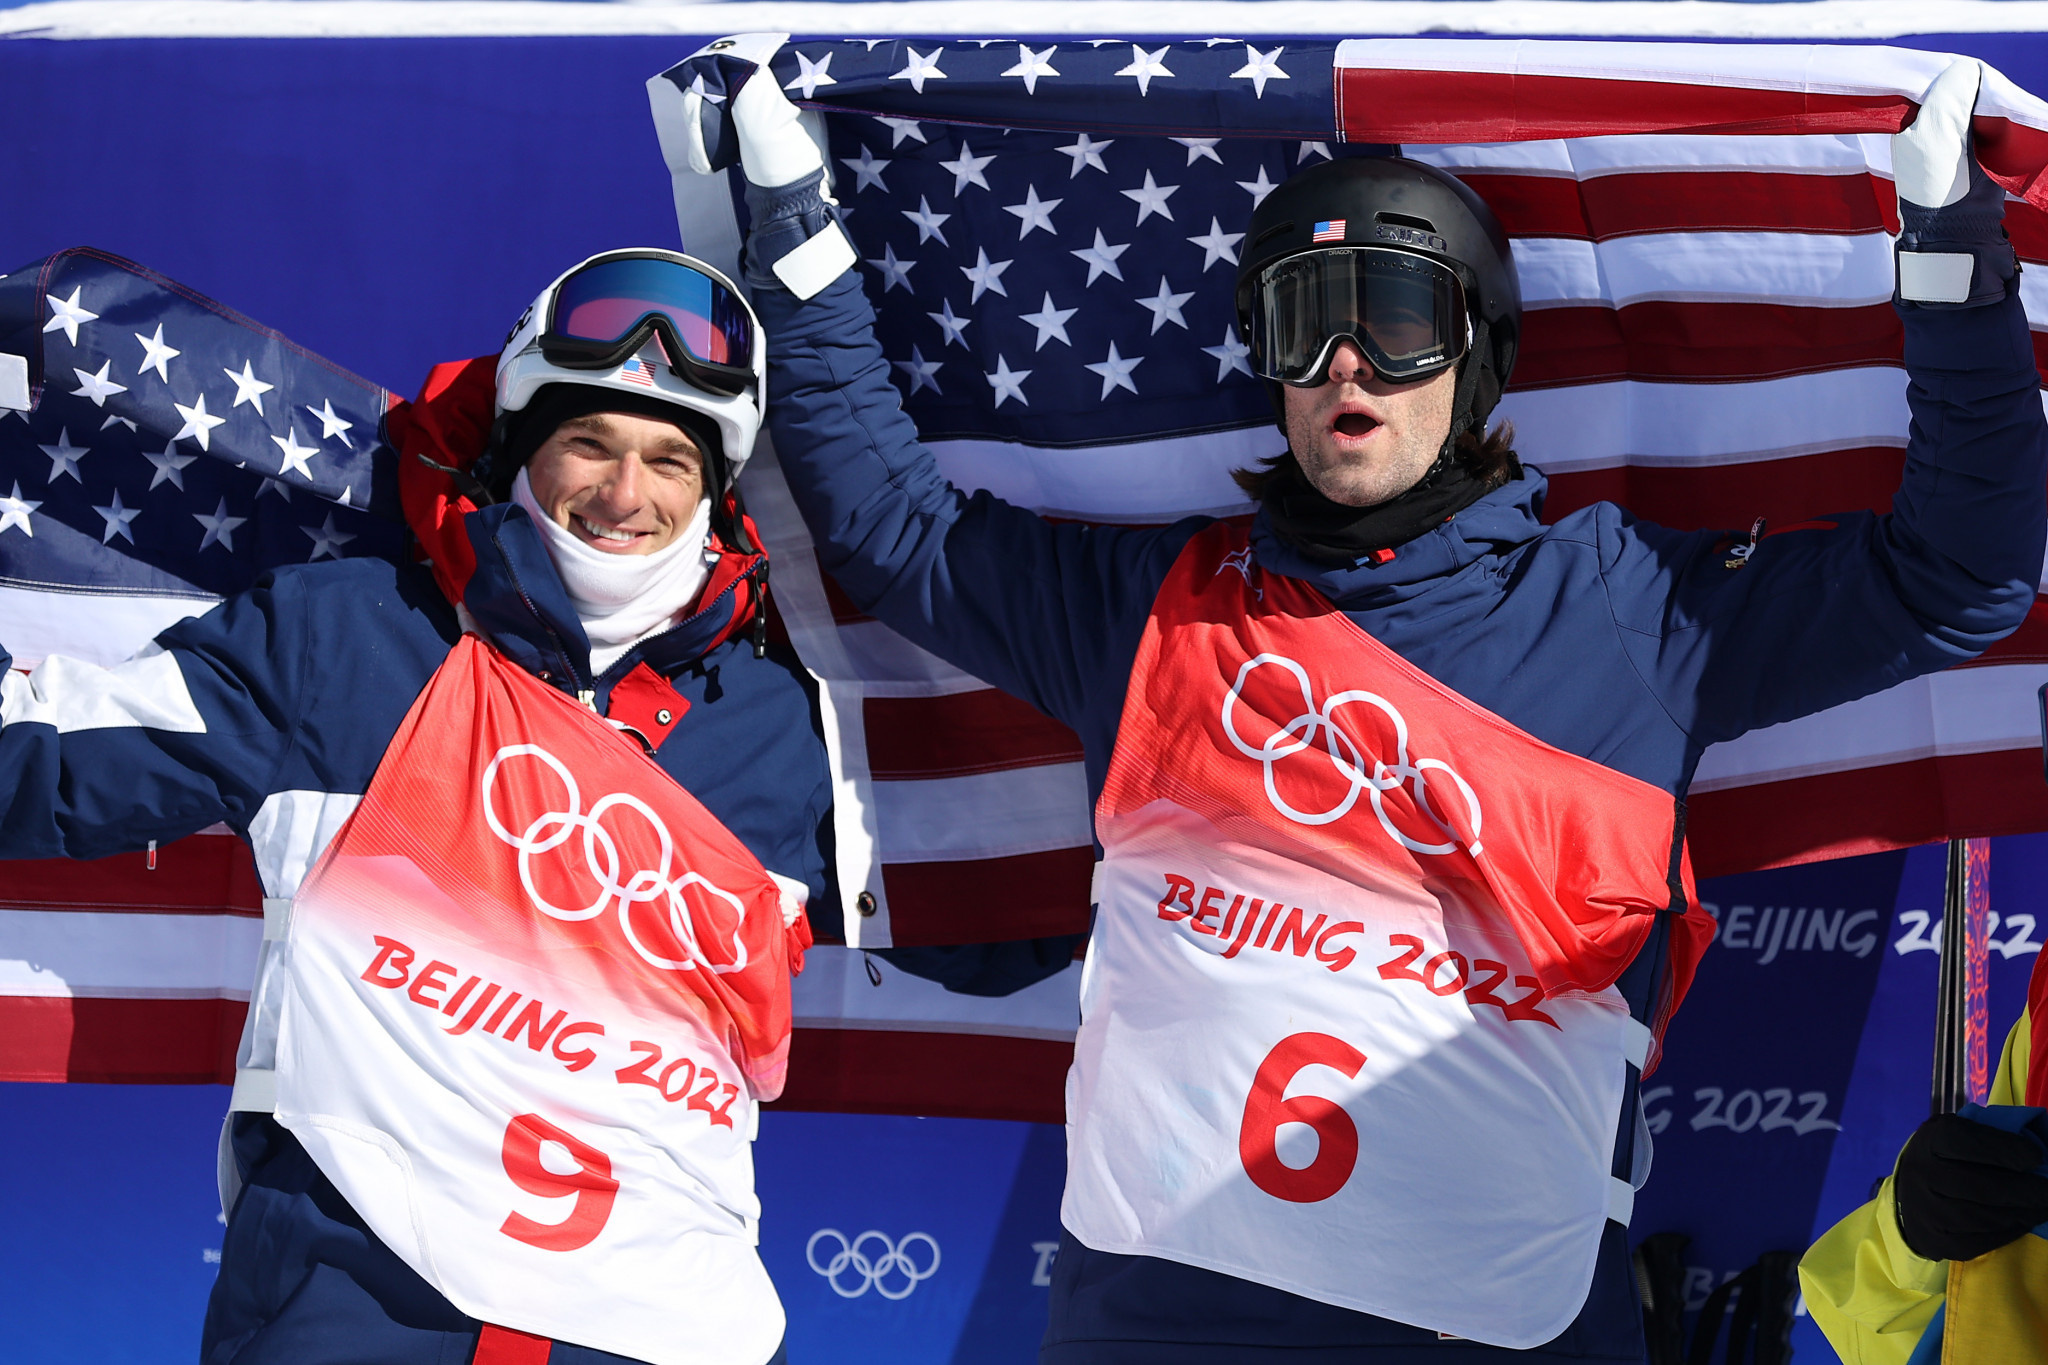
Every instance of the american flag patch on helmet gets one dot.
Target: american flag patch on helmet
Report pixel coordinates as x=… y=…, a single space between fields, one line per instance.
x=637 y=371
x=1332 y=231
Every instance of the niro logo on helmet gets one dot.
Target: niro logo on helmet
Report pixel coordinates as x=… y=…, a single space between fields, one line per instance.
x=1408 y=236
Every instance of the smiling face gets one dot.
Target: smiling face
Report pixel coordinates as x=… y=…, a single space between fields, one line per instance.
x=620 y=483
x=1361 y=440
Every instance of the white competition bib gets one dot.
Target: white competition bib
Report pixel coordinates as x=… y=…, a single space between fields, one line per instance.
x=535 y=993
x=1349 y=1027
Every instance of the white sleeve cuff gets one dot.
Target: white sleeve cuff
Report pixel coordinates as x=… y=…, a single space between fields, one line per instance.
x=1935 y=277
x=818 y=262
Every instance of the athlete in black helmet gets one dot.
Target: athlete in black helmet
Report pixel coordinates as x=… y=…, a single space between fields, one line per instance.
x=1378 y=293
x=1388 y=777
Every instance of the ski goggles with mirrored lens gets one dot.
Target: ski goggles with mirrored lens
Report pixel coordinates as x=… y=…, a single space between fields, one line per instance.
x=606 y=311
x=1405 y=312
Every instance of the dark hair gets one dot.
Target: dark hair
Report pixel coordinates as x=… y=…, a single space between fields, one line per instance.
x=1490 y=459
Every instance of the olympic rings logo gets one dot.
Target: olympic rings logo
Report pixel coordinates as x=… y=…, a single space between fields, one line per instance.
x=875 y=1271
x=552 y=829
x=1298 y=734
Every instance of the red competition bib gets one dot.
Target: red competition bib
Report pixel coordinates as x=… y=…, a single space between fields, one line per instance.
x=536 y=993
x=1349 y=1026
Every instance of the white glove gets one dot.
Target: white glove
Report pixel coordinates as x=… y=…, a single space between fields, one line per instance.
x=1931 y=159
x=775 y=145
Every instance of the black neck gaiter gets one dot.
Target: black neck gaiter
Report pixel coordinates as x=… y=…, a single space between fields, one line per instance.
x=1332 y=533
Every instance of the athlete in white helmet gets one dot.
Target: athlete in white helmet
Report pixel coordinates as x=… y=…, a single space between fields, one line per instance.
x=536 y=818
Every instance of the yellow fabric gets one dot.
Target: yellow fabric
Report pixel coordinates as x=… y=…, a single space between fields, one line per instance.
x=1870 y=1294
x=1998 y=1307
x=1873 y=1297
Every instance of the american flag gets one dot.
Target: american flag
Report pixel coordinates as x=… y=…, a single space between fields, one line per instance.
x=1051 y=229
x=172 y=451
x=1050 y=233
x=1332 y=231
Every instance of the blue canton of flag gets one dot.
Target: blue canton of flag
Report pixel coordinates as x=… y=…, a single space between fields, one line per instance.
x=172 y=447
x=1070 y=288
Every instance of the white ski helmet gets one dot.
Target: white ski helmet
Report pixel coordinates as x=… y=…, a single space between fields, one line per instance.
x=650 y=323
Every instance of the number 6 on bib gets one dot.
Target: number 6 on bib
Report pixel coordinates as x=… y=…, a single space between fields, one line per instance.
x=1265 y=1110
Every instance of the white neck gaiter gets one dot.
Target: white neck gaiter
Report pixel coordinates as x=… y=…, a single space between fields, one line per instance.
x=622 y=599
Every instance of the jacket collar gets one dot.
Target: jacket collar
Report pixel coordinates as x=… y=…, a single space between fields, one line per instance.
x=492 y=562
x=1508 y=516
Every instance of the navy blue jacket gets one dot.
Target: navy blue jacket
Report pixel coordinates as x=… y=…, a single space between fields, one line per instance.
x=296 y=687
x=1621 y=641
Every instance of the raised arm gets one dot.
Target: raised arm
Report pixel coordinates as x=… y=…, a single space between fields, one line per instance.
x=1734 y=638
x=1050 y=613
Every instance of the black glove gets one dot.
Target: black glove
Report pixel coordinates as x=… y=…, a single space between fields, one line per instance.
x=1964 y=1188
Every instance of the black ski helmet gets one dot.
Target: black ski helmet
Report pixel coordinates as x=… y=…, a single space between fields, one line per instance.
x=1404 y=205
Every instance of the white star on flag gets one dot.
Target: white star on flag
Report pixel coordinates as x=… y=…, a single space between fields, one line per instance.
x=901 y=128
x=920 y=371
x=97 y=387
x=1051 y=322
x=14 y=511
x=927 y=222
x=1260 y=188
x=220 y=527
x=1151 y=198
x=894 y=272
x=331 y=426
x=1230 y=355
x=1309 y=149
x=117 y=518
x=1165 y=306
x=1217 y=245
x=1101 y=258
x=1031 y=65
x=954 y=328
x=113 y=421
x=156 y=355
x=967 y=168
x=67 y=314
x=1086 y=152
x=1145 y=65
x=810 y=75
x=1033 y=212
x=1116 y=371
x=270 y=485
x=295 y=455
x=64 y=457
x=1008 y=383
x=248 y=388
x=698 y=88
x=1199 y=147
x=326 y=540
x=867 y=170
x=986 y=276
x=920 y=69
x=170 y=465
x=198 y=425
x=1260 y=67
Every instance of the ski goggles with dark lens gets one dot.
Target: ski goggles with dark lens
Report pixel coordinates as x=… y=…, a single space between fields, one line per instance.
x=606 y=311
x=1405 y=312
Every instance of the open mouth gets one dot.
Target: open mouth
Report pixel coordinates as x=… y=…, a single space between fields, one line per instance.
x=1355 y=424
